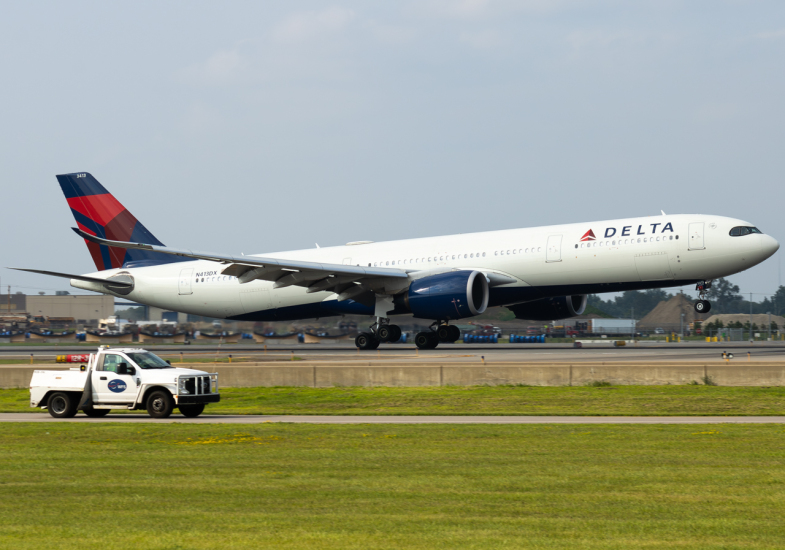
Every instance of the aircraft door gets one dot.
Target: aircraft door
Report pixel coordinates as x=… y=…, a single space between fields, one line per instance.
x=184 y=286
x=696 y=236
x=553 y=250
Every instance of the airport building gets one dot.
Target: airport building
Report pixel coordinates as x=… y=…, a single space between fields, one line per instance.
x=85 y=309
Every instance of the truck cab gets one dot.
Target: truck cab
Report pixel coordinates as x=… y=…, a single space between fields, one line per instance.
x=123 y=378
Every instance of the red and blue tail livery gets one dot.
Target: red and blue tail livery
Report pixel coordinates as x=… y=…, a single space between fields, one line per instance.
x=99 y=213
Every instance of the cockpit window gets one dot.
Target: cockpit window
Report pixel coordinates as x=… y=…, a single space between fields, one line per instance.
x=739 y=231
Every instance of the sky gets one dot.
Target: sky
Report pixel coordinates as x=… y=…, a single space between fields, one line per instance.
x=263 y=126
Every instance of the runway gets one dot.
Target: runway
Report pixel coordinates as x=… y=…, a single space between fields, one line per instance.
x=303 y=419
x=647 y=352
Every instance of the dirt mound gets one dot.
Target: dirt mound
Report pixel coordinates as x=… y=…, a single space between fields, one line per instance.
x=667 y=314
x=760 y=319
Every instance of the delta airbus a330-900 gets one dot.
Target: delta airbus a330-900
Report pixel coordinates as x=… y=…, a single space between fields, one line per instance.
x=542 y=273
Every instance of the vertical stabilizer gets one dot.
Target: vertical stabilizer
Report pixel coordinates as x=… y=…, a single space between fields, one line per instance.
x=97 y=212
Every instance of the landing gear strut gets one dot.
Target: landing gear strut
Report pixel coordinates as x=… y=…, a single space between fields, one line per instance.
x=380 y=331
x=703 y=305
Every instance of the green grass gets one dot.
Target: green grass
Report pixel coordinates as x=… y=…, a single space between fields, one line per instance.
x=117 y=486
x=486 y=400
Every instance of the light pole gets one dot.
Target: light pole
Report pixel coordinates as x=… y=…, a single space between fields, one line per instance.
x=750 y=316
x=681 y=330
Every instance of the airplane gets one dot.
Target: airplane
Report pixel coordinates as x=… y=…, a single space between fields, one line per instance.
x=539 y=273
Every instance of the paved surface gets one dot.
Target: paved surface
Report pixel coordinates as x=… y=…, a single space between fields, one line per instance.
x=248 y=419
x=456 y=353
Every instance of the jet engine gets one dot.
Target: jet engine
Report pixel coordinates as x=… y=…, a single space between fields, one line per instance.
x=445 y=296
x=550 y=309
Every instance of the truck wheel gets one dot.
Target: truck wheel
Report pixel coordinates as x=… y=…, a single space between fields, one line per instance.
x=61 y=405
x=95 y=413
x=160 y=404
x=192 y=411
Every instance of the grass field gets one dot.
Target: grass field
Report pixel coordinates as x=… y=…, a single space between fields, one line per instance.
x=176 y=486
x=491 y=400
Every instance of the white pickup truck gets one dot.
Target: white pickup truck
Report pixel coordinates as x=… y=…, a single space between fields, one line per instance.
x=122 y=378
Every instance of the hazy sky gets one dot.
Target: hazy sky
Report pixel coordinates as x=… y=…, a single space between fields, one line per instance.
x=262 y=126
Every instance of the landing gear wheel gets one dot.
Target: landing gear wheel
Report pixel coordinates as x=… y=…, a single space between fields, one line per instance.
x=191 y=411
x=389 y=333
x=426 y=340
x=61 y=405
x=160 y=404
x=702 y=306
x=448 y=333
x=366 y=341
x=96 y=413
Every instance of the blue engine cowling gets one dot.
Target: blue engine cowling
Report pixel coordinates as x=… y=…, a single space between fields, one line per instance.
x=446 y=296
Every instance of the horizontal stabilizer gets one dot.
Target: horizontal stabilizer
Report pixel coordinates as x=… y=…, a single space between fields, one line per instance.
x=111 y=282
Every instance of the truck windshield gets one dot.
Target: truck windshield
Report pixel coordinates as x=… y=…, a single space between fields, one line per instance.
x=147 y=360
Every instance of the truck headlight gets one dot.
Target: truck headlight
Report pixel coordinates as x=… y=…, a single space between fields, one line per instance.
x=181 y=389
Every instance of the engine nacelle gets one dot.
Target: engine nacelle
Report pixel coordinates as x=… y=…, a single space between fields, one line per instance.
x=550 y=309
x=446 y=296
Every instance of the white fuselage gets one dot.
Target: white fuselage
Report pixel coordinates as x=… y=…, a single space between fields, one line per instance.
x=637 y=253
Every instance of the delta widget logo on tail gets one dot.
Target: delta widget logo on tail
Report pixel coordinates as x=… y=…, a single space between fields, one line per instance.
x=588 y=236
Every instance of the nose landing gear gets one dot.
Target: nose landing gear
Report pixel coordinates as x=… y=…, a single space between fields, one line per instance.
x=703 y=305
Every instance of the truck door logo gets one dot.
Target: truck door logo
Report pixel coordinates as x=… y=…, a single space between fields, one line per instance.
x=117 y=386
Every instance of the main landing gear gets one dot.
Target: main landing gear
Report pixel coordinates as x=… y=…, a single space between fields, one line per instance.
x=429 y=339
x=381 y=331
x=703 y=305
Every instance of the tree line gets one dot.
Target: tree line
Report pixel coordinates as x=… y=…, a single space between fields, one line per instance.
x=725 y=297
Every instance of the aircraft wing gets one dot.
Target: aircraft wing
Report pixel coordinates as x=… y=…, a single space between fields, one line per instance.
x=312 y=275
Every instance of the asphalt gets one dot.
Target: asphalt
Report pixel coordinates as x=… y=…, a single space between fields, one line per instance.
x=470 y=353
x=302 y=419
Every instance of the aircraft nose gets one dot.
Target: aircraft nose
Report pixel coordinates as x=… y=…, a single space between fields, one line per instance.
x=769 y=245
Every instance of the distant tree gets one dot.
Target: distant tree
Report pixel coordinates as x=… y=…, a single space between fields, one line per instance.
x=778 y=301
x=622 y=306
x=724 y=296
x=132 y=313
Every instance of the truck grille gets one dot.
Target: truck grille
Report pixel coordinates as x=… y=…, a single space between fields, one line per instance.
x=199 y=385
